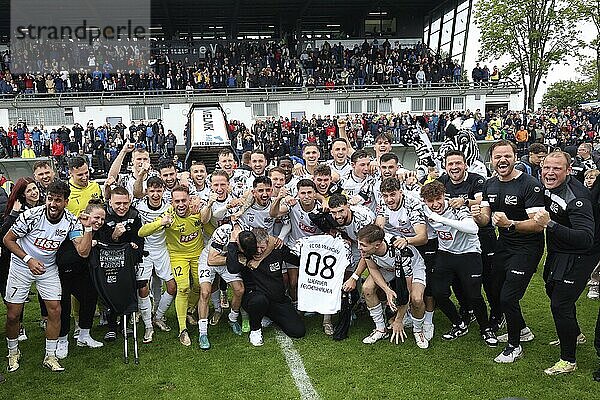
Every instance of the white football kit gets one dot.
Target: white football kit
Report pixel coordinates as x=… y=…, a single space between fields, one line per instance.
x=39 y=238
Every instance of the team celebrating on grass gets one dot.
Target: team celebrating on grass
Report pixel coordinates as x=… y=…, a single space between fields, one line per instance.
x=412 y=242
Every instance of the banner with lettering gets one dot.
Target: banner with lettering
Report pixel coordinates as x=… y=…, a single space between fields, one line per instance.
x=113 y=272
x=323 y=260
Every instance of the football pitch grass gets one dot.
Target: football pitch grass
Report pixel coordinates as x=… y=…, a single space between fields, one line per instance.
x=233 y=369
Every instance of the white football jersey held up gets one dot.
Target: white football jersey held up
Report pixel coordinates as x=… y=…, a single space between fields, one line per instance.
x=323 y=260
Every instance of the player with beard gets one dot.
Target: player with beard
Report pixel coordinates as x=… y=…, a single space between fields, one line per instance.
x=401 y=216
x=168 y=173
x=570 y=227
x=256 y=257
x=157 y=263
x=465 y=189
x=298 y=211
x=349 y=220
x=183 y=231
x=258 y=215
x=458 y=259
x=33 y=241
x=511 y=200
x=387 y=262
x=242 y=183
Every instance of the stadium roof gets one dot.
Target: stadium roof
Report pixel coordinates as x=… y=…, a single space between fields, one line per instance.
x=230 y=17
x=254 y=15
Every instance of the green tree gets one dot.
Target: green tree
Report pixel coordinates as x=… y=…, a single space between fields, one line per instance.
x=534 y=34
x=589 y=10
x=569 y=93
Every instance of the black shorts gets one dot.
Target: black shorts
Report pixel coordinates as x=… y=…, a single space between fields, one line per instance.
x=428 y=251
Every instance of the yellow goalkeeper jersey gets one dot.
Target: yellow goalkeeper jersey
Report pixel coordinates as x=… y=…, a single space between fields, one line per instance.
x=81 y=196
x=184 y=235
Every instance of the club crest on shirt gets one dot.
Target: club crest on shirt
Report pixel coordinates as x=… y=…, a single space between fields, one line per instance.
x=274 y=267
x=554 y=208
x=511 y=200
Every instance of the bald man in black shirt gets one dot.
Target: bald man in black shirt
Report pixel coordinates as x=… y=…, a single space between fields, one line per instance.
x=510 y=200
x=569 y=223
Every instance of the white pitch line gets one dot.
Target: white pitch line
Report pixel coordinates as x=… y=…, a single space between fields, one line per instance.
x=296 y=366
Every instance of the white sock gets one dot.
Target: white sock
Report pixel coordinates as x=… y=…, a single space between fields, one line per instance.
x=233 y=315
x=13 y=346
x=203 y=326
x=326 y=319
x=157 y=292
x=216 y=300
x=63 y=339
x=51 y=347
x=429 y=317
x=145 y=307
x=165 y=301
x=418 y=324
x=83 y=334
x=377 y=315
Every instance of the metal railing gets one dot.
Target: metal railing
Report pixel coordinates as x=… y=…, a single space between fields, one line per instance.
x=142 y=96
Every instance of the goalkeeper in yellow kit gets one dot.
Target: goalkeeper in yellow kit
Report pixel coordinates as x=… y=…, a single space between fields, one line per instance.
x=184 y=242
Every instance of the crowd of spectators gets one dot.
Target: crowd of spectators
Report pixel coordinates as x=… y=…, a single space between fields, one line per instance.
x=287 y=136
x=100 y=144
x=244 y=64
x=551 y=127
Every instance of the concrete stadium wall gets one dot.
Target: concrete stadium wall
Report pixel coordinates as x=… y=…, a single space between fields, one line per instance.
x=174 y=115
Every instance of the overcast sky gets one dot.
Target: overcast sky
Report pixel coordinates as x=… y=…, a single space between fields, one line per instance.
x=560 y=72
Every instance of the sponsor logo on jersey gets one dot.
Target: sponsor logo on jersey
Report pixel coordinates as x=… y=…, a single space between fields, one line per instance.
x=554 y=208
x=579 y=203
x=492 y=198
x=536 y=189
x=307 y=228
x=274 y=267
x=511 y=200
x=445 y=235
x=47 y=244
x=188 y=238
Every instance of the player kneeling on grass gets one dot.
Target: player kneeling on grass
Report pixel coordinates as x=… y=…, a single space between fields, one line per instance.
x=458 y=258
x=259 y=257
x=390 y=260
